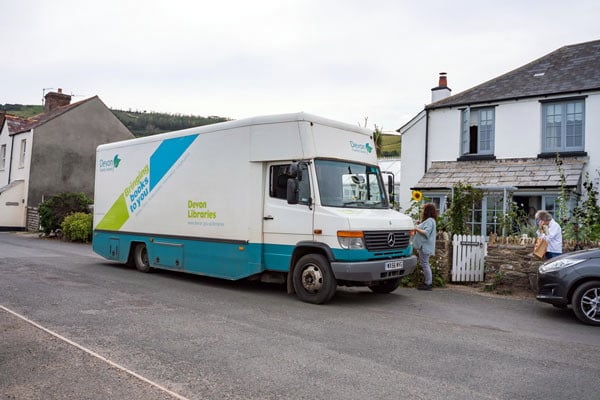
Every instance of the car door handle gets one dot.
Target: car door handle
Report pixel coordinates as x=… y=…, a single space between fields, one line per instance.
x=268 y=217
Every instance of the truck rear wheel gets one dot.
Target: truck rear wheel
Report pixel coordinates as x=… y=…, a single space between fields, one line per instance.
x=313 y=279
x=140 y=257
x=387 y=286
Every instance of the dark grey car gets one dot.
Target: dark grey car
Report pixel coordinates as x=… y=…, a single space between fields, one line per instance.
x=573 y=279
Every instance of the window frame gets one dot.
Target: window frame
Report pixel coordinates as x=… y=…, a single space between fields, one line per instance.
x=2 y=157
x=564 y=124
x=23 y=153
x=489 y=116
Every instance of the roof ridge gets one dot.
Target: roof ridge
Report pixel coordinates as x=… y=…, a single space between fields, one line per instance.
x=40 y=119
x=556 y=71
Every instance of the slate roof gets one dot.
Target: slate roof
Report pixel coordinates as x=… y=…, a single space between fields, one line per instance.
x=521 y=173
x=18 y=124
x=570 y=69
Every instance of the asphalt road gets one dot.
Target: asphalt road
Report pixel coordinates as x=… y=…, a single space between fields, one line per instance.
x=74 y=326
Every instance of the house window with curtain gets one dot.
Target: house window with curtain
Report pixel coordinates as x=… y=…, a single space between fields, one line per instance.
x=477 y=131
x=563 y=126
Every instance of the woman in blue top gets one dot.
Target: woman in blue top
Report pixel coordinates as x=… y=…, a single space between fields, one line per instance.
x=424 y=242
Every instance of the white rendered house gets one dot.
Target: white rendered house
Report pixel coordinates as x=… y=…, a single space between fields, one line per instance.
x=503 y=136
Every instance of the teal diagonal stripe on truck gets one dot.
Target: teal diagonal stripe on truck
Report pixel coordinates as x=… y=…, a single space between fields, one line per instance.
x=161 y=161
x=165 y=156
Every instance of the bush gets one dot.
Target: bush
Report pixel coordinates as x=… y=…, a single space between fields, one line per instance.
x=77 y=227
x=54 y=210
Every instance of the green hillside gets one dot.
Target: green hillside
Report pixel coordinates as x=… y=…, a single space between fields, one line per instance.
x=21 y=111
x=390 y=145
x=139 y=123
x=150 y=123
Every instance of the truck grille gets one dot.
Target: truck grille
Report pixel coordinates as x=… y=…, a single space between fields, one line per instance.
x=386 y=240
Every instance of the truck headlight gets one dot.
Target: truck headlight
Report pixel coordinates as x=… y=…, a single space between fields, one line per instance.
x=558 y=264
x=351 y=239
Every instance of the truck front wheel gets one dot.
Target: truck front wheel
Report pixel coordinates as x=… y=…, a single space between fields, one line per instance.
x=140 y=257
x=313 y=279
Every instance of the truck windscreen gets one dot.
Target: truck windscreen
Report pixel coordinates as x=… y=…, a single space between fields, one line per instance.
x=350 y=184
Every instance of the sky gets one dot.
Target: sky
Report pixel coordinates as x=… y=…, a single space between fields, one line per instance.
x=371 y=63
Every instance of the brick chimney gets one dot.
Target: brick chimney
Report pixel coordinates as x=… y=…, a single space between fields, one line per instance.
x=442 y=90
x=55 y=100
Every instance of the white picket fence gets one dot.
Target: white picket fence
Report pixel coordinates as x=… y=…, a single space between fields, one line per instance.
x=468 y=258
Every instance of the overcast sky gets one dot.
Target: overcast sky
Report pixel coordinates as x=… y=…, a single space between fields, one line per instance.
x=342 y=59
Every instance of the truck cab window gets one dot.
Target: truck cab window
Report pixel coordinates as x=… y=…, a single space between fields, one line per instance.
x=278 y=181
x=304 y=186
x=278 y=177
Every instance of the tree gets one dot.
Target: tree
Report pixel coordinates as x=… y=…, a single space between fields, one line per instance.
x=378 y=140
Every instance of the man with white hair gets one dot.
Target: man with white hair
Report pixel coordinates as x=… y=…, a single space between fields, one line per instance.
x=550 y=231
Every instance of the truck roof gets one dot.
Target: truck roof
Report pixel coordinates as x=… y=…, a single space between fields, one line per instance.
x=259 y=120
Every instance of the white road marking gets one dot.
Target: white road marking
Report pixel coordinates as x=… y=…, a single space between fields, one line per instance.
x=98 y=356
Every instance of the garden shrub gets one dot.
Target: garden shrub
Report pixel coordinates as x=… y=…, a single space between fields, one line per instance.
x=54 y=210
x=77 y=227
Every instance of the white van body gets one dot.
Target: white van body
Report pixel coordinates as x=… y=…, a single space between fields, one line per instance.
x=294 y=195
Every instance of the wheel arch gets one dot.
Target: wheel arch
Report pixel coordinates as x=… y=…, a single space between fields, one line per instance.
x=131 y=247
x=577 y=283
x=303 y=248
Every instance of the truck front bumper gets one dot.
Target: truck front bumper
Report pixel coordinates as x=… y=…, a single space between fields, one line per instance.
x=371 y=271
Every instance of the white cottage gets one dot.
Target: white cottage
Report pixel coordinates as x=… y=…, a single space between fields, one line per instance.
x=503 y=136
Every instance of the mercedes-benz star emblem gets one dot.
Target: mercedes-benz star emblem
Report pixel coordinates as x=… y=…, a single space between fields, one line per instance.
x=391 y=240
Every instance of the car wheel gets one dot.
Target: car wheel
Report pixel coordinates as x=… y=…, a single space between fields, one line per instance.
x=586 y=303
x=313 y=279
x=140 y=257
x=387 y=286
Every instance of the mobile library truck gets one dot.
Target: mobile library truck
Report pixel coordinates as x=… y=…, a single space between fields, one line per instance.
x=295 y=197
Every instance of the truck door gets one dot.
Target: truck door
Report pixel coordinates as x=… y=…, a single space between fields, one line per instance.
x=285 y=224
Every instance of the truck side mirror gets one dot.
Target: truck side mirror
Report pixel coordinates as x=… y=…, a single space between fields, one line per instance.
x=294 y=170
x=292 y=191
x=391 y=186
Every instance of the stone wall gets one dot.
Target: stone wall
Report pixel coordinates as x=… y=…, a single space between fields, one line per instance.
x=510 y=266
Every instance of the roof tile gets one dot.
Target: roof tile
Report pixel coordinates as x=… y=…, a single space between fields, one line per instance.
x=521 y=172
x=570 y=69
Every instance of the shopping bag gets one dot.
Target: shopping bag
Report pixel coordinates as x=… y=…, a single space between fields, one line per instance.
x=540 y=247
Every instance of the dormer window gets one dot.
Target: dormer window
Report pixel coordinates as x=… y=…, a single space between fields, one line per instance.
x=477 y=131
x=563 y=125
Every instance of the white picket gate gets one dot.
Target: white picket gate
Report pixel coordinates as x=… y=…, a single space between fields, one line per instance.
x=468 y=258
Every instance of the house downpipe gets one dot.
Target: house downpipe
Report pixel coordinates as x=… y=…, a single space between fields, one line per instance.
x=12 y=150
x=426 y=138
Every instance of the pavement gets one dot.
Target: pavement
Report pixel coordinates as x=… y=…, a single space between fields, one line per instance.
x=35 y=364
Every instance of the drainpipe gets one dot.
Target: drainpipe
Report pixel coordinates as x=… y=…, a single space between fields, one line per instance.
x=426 y=138
x=12 y=149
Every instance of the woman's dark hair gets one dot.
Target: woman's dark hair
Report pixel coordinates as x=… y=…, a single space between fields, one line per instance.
x=429 y=211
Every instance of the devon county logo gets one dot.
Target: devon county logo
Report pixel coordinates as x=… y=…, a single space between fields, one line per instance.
x=361 y=148
x=109 y=165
